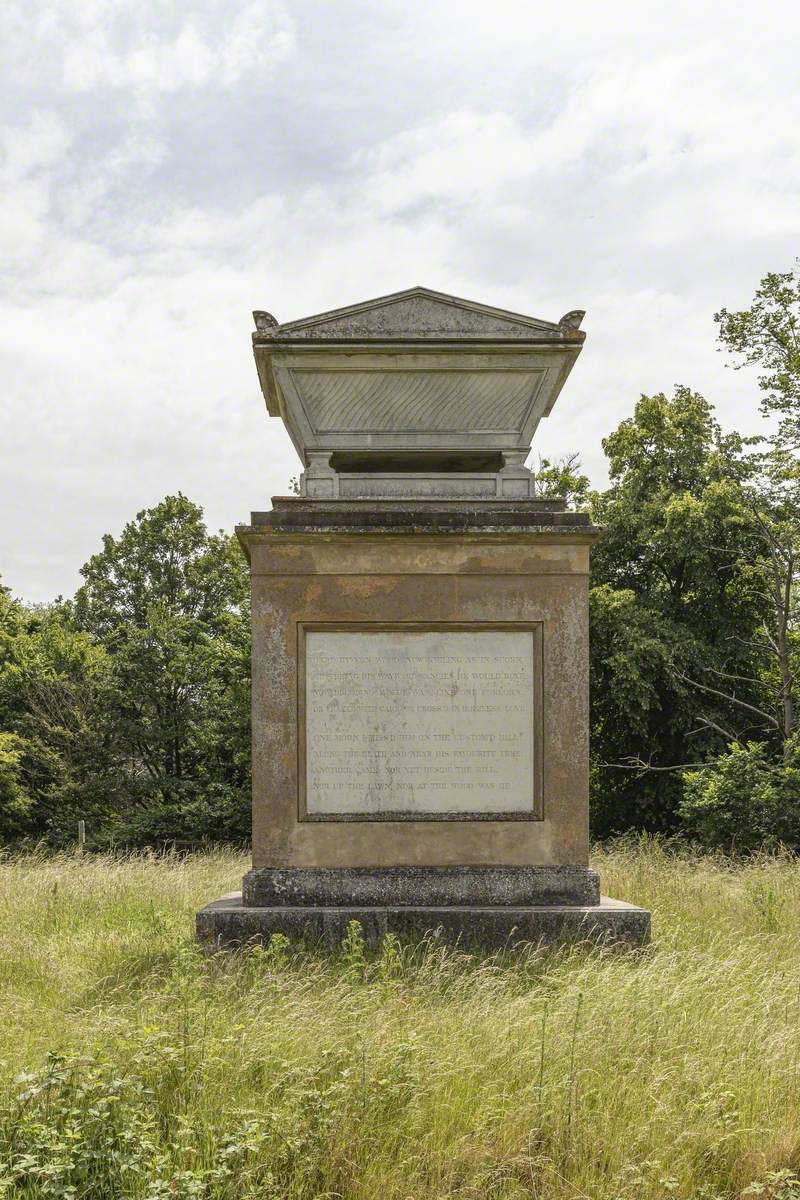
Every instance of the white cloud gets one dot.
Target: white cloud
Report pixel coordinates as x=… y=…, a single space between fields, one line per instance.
x=36 y=144
x=28 y=153
x=167 y=168
x=146 y=46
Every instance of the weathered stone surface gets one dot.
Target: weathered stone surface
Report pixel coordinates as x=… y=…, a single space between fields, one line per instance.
x=420 y=640
x=315 y=577
x=418 y=314
x=385 y=485
x=438 y=516
x=421 y=886
x=422 y=723
x=414 y=372
x=229 y=923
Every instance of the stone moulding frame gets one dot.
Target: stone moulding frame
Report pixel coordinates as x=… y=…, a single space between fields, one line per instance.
x=535 y=628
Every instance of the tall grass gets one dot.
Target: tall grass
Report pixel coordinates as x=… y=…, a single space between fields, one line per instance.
x=133 y=1067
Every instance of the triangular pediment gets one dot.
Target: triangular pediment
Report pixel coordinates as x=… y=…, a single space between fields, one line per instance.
x=418 y=313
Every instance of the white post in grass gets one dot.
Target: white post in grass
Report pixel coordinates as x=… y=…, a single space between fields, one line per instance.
x=81 y=836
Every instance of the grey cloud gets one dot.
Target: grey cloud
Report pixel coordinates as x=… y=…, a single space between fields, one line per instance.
x=164 y=175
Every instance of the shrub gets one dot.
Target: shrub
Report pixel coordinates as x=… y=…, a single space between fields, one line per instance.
x=14 y=803
x=745 y=800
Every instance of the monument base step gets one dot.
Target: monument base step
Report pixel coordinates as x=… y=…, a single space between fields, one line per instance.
x=227 y=923
x=419 y=887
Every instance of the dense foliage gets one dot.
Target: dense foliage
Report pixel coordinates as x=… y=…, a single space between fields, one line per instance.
x=128 y=707
x=674 y=607
x=694 y=605
x=745 y=800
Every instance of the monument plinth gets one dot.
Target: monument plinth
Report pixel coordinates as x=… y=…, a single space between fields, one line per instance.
x=420 y=639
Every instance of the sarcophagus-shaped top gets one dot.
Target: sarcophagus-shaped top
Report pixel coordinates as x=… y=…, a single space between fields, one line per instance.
x=415 y=393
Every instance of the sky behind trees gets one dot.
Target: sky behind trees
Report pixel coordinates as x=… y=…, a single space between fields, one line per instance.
x=165 y=168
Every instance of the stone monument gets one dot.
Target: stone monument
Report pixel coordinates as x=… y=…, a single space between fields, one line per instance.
x=420 y=639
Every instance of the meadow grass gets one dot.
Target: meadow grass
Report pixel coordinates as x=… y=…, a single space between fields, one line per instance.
x=132 y=1066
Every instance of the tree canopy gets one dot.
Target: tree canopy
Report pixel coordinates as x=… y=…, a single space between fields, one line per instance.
x=767 y=334
x=130 y=706
x=673 y=606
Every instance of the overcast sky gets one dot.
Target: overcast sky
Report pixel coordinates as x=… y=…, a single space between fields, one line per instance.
x=166 y=167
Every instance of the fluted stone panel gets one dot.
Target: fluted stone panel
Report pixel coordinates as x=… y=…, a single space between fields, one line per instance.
x=416 y=400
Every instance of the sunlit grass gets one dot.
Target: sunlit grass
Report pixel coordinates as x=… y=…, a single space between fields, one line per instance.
x=419 y=1073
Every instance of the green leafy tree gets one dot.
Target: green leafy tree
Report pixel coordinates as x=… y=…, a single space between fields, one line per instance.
x=747 y=798
x=562 y=478
x=53 y=760
x=767 y=335
x=772 y=502
x=675 y=609
x=167 y=601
